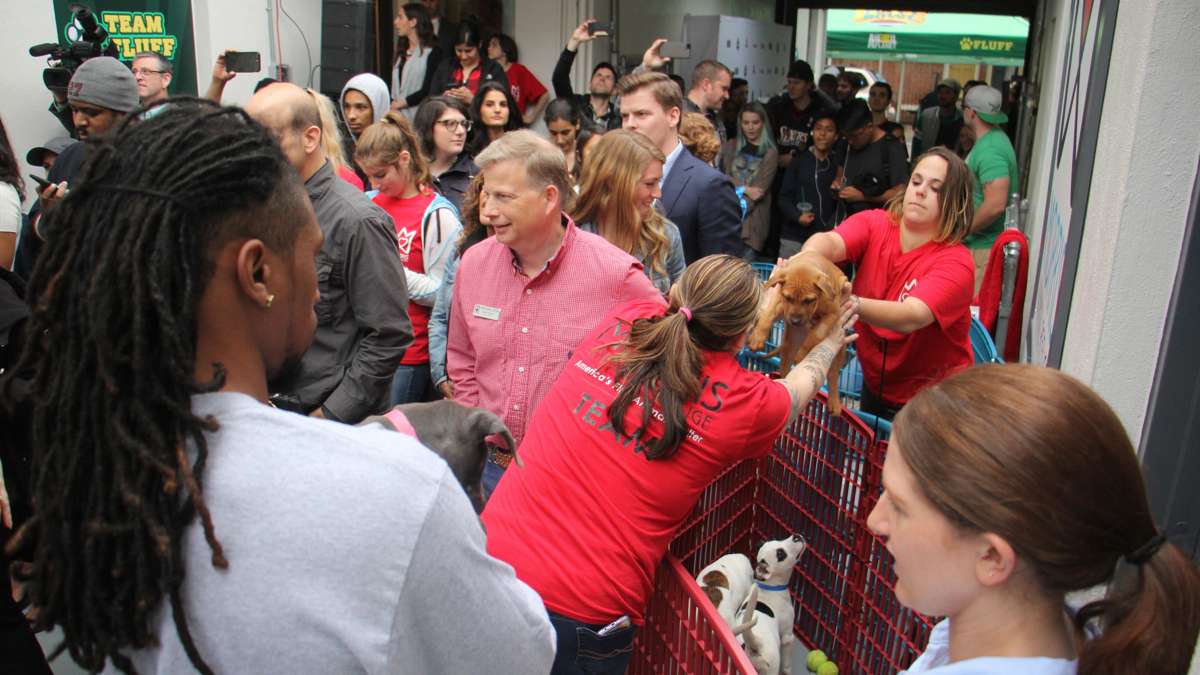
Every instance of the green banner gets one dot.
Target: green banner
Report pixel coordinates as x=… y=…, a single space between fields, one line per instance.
x=162 y=26
x=926 y=36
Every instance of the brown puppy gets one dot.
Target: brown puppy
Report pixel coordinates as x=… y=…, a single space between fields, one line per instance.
x=811 y=290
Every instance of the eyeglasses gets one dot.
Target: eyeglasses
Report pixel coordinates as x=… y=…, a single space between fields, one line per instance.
x=453 y=125
x=146 y=71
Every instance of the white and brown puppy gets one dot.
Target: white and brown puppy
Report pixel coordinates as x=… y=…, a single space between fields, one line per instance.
x=727 y=582
x=776 y=560
x=759 y=635
x=457 y=433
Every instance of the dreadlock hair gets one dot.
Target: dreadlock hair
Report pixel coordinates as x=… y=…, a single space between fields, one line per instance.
x=710 y=308
x=118 y=454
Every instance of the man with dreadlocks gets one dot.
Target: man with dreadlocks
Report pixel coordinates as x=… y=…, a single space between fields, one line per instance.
x=181 y=522
x=362 y=318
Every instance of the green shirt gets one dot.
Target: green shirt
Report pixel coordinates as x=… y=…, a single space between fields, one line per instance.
x=991 y=158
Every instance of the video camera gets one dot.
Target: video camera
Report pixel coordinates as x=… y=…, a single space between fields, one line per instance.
x=64 y=60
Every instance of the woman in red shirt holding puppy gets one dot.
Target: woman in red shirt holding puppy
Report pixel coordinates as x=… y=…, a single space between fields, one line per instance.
x=913 y=282
x=650 y=408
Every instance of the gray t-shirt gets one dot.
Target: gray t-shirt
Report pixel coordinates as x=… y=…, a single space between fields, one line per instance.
x=351 y=550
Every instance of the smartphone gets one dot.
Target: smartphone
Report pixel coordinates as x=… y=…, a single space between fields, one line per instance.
x=42 y=182
x=243 y=62
x=599 y=29
x=676 y=50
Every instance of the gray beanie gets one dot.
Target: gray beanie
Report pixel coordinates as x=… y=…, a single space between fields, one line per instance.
x=105 y=82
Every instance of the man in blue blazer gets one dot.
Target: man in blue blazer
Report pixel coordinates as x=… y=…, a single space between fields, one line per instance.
x=696 y=197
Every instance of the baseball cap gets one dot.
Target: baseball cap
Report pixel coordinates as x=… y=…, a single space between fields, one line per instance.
x=951 y=83
x=800 y=70
x=985 y=101
x=105 y=82
x=55 y=145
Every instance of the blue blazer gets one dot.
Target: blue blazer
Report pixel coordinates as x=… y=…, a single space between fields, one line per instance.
x=701 y=201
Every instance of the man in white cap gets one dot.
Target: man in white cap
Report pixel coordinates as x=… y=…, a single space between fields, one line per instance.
x=993 y=163
x=101 y=92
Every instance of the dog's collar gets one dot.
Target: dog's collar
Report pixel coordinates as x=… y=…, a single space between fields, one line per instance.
x=765 y=609
x=769 y=587
x=400 y=422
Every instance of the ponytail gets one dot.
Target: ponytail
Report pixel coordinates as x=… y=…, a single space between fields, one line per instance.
x=1040 y=460
x=661 y=360
x=383 y=142
x=1149 y=619
x=661 y=367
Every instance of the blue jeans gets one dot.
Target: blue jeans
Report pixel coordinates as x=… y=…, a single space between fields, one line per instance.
x=411 y=384
x=582 y=651
x=491 y=477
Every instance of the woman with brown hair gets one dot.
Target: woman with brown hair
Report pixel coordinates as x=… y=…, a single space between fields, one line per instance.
x=913 y=283
x=1030 y=492
x=427 y=226
x=616 y=201
x=651 y=407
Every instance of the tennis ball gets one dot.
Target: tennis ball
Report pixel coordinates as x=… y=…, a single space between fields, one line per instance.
x=815 y=658
x=827 y=668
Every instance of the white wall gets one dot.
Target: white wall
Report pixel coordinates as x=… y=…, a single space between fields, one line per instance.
x=218 y=24
x=24 y=102
x=245 y=25
x=1145 y=169
x=642 y=22
x=1145 y=166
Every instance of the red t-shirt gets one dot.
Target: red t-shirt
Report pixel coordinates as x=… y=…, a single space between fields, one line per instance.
x=587 y=519
x=940 y=275
x=406 y=217
x=526 y=88
x=347 y=174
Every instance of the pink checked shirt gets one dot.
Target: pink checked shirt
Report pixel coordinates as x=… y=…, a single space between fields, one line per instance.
x=510 y=335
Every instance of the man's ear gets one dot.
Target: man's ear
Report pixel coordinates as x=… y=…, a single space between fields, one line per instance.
x=553 y=198
x=166 y=78
x=311 y=139
x=255 y=274
x=996 y=561
x=674 y=115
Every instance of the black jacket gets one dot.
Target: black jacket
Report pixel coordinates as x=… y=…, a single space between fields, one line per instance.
x=68 y=167
x=454 y=181
x=443 y=78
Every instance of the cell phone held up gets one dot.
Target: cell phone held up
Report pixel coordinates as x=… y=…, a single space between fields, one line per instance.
x=676 y=50
x=243 y=62
x=600 y=29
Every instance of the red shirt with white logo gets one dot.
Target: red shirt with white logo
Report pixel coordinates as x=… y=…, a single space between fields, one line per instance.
x=406 y=217
x=587 y=518
x=940 y=275
x=525 y=87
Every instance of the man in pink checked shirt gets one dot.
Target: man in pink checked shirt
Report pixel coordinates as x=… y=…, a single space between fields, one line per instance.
x=524 y=298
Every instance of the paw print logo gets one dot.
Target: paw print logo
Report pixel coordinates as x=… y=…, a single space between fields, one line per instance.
x=965 y=43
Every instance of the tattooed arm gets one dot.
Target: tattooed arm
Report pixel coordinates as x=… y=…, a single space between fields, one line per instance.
x=806 y=378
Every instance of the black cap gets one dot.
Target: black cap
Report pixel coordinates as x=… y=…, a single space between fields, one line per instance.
x=55 y=145
x=800 y=70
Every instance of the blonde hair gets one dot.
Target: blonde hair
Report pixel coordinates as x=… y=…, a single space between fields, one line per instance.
x=956 y=204
x=699 y=136
x=606 y=197
x=384 y=141
x=331 y=137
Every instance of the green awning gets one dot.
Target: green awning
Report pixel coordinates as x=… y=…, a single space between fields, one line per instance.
x=931 y=37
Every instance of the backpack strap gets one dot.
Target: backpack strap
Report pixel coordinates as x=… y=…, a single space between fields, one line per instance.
x=439 y=202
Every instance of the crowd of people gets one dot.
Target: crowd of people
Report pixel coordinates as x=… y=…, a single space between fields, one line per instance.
x=206 y=305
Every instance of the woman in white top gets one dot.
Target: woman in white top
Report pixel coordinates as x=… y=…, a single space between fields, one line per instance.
x=417 y=56
x=1007 y=487
x=12 y=193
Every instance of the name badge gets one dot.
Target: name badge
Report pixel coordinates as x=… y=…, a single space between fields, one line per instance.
x=489 y=313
